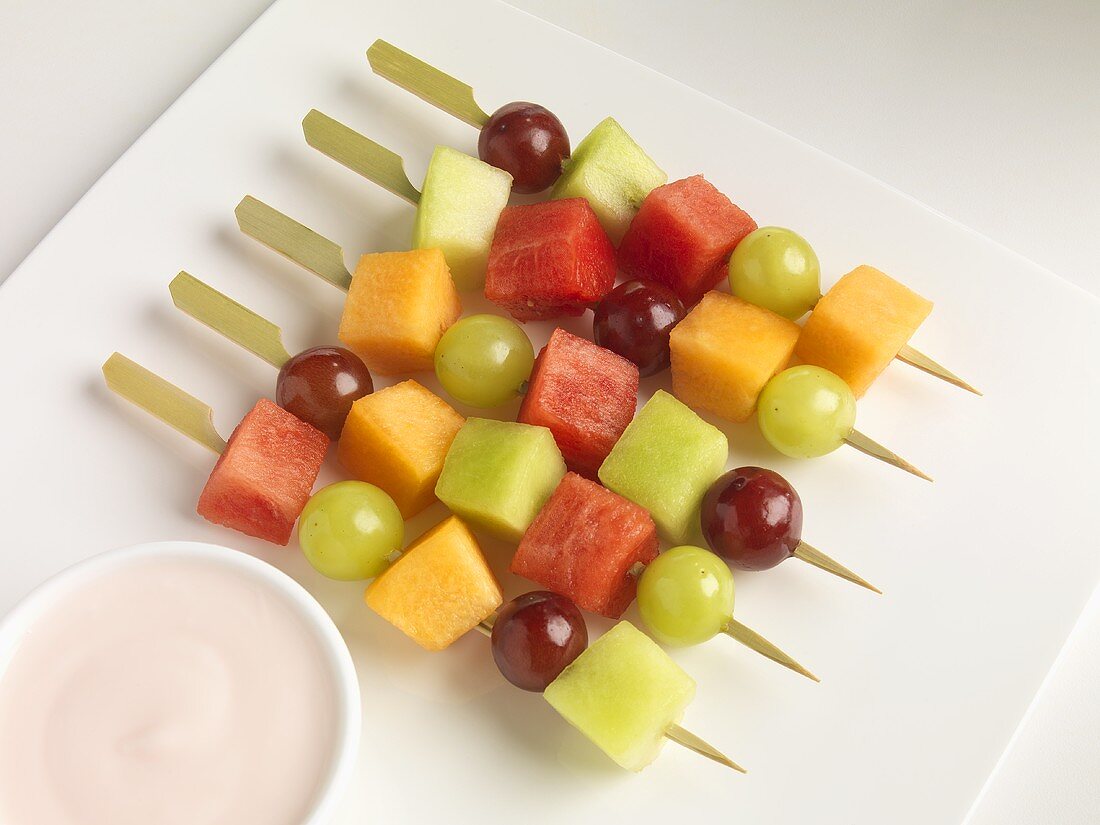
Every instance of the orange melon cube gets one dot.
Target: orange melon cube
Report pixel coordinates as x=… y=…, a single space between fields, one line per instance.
x=396 y=439
x=439 y=589
x=860 y=325
x=725 y=351
x=398 y=307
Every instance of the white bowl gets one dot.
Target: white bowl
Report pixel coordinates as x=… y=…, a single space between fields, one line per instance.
x=348 y=710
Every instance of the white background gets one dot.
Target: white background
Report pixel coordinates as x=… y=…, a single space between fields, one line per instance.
x=986 y=111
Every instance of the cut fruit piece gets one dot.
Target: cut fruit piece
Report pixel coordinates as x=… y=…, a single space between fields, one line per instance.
x=396 y=439
x=398 y=307
x=549 y=259
x=725 y=351
x=498 y=474
x=583 y=544
x=623 y=693
x=859 y=326
x=682 y=237
x=440 y=588
x=611 y=172
x=585 y=395
x=264 y=477
x=460 y=203
x=665 y=461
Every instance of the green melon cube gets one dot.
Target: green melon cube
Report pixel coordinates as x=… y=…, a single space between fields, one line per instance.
x=498 y=474
x=623 y=693
x=665 y=461
x=612 y=173
x=460 y=202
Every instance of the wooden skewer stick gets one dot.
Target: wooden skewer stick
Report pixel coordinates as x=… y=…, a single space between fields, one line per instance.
x=916 y=358
x=751 y=639
x=224 y=315
x=689 y=740
x=360 y=154
x=165 y=401
x=875 y=450
x=426 y=82
x=290 y=239
x=811 y=555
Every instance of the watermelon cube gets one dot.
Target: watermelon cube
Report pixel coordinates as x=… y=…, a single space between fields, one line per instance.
x=583 y=544
x=666 y=460
x=549 y=259
x=611 y=172
x=264 y=477
x=859 y=326
x=585 y=395
x=460 y=203
x=683 y=236
x=498 y=474
x=623 y=693
x=440 y=588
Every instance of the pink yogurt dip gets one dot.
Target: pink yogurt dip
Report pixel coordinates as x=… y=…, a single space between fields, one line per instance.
x=167 y=690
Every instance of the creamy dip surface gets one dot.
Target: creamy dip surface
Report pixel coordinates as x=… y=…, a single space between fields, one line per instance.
x=166 y=691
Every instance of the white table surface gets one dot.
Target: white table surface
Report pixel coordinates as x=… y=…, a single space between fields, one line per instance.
x=986 y=111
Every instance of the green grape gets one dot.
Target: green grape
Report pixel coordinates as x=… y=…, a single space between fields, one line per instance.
x=777 y=269
x=484 y=360
x=685 y=596
x=806 y=411
x=349 y=529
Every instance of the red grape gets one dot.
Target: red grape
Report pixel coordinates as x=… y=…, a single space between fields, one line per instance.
x=635 y=319
x=319 y=386
x=526 y=141
x=752 y=517
x=535 y=637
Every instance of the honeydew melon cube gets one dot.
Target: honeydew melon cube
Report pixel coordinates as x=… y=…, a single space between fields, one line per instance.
x=623 y=693
x=460 y=202
x=725 y=351
x=396 y=439
x=860 y=325
x=498 y=474
x=613 y=173
x=398 y=307
x=665 y=461
x=440 y=588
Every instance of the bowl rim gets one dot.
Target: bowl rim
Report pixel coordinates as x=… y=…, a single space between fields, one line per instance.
x=21 y=618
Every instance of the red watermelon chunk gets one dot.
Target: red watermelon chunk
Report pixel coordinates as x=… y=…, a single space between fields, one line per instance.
x=584 y=542
x=585 y=395
x=263 y=479
x=682 y=237
x=549 y=259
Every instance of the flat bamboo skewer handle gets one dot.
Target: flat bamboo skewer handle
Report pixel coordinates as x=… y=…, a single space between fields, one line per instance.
x=225 y=316
x=426 y=82
x=292 y=240
x=163 y=400
x=360 y=154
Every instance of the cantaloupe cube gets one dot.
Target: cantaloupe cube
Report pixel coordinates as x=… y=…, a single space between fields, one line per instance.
x=398 y=307
x=396 y=439
x=498 y=474
x=623 y=693
x=860 y=325
x=725 y=351
x=439 y=589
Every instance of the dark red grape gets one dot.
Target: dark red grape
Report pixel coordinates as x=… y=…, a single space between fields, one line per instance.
x=535 y=637
x=752 y=517
x=526 y=141
x=635 y=319
x=319 y=386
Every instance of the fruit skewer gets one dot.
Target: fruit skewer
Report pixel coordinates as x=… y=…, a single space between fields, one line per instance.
x=265 y=471
x=457 y=98
x=318 y=385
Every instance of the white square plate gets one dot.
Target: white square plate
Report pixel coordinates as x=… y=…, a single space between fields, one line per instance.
x=984 y=571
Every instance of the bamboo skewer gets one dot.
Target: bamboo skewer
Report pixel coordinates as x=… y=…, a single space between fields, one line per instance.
x=872 y=448
x=751 y=639
x=689 y=740
x=163 y=400
x=811 y=555
x=916 y=358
